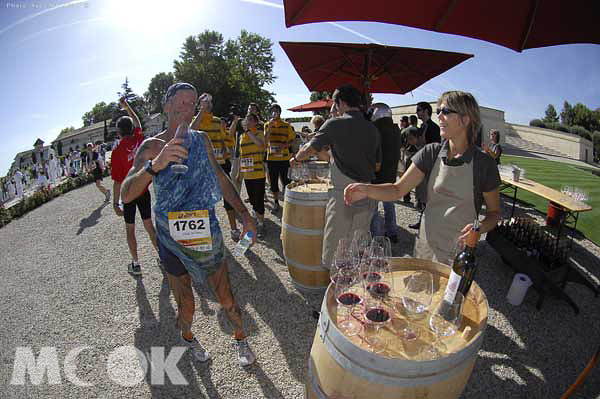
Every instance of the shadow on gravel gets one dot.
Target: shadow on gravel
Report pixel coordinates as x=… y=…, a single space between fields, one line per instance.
x=91 y=220
x=161 y=332
x=286 y=313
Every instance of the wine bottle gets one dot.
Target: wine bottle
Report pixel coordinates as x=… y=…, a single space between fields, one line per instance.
x=463 y=267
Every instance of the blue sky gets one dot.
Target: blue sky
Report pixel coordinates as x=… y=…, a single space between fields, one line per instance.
x=57 y=62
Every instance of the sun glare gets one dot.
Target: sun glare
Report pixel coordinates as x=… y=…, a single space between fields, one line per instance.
x=148 y=16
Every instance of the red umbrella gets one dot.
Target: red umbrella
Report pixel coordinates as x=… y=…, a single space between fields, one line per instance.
x=318 y=105
x=516 y=24
x=368 y=67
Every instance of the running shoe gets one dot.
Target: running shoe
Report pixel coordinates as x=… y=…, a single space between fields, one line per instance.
x=107 y=195
x=260 y=230
x=245 y=355
x=276 y=207
x=196 y=348
x=235 y=235
x=135 y=269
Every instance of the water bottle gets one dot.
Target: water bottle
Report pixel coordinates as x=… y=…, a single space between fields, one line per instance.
x=243 y=244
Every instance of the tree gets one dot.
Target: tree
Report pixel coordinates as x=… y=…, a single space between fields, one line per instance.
x=551 y=114
x=136 y=102
x=567 y=115
x=233 y=72
x=583 y=116
x=99 y=112
x=319 y=95
x=156 y=91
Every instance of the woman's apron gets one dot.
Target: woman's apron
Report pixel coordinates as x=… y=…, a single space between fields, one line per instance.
x=450 y=207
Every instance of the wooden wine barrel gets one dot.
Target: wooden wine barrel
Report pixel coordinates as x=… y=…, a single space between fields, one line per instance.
x=302 y=227
x=340 y=367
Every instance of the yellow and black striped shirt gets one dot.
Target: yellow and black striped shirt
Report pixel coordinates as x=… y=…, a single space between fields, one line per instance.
x=212 y=126
x=251 y=156
x=282 y=135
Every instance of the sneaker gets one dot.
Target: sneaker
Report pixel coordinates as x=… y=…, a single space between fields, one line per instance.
x=245 y=355
x=107 y=195
x=135 y=269
x=260 y=230
x=415 y=226
x=196 y=348
x=235 y=235
x=276 y=207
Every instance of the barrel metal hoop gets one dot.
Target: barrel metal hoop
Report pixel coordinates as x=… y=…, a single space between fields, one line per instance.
x=319 y=202
x=295 y=264
x=312 y=381
x=301 y=231
x=346 y=354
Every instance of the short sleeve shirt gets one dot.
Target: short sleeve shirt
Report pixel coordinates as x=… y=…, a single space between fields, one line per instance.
x=354 y=145
x=486 y=177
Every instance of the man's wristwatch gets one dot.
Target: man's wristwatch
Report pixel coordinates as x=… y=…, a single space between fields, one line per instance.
x=148 y=168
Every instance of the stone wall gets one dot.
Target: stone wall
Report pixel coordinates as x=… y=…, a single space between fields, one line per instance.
x=571 y=145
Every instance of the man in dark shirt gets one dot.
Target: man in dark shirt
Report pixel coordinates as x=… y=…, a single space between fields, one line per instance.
x=411 y=134
x=429 y=133
x=354 y=143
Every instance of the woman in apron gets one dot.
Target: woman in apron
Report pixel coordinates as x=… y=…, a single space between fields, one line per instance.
x=460 y=178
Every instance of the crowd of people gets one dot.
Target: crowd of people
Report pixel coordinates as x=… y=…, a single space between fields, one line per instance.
x=451 y=176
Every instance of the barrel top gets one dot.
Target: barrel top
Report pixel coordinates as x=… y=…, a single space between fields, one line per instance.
x=311 y=187
x=474 y=321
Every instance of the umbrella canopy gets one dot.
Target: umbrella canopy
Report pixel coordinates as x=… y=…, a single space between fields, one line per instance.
x=318 y=105
x=368 y=67
x=516 y=24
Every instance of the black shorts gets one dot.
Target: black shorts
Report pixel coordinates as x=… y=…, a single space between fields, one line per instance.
x=170 y=262
x=227 y=169
x=97 y=172
x=143 y=203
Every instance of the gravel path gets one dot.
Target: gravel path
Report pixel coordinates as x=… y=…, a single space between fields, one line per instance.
x=65 y=285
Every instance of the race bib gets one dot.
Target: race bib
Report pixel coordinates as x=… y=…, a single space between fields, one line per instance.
x=219 y=153
x=274 y=150
x=191 y=229
x=246 y=164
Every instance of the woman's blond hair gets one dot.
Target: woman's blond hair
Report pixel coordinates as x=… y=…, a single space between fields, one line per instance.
x=465 y=104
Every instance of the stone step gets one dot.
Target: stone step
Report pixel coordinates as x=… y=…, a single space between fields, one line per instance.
x=517 y=146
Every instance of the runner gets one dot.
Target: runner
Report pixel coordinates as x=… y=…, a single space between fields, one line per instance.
x=96 y=170
x=189 y=200
x=130 y=130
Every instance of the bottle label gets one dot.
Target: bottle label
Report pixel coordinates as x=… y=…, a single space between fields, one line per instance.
x=452 y=287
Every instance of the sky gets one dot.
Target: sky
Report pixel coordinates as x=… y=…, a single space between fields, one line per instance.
x=61 y=57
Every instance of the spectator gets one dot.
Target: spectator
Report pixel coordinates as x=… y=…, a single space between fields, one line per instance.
x=494 y=149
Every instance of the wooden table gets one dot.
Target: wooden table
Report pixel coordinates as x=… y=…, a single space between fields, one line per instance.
x=544 y=281
x=570 y=206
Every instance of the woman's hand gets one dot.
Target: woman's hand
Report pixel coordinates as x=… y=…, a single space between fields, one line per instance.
x=355 y=192
x=464 y=233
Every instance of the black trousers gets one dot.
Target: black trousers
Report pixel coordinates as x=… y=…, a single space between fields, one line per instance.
x=256 y=193
x=278 y=169
x=227 y=169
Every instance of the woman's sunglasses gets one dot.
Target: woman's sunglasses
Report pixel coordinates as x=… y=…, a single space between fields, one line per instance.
x=445 y=111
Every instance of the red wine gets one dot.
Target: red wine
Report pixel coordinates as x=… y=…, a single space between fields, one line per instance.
x=463 y=268
x=378 y=315
x=349 y=299
x=371 y=276
x=378 y=290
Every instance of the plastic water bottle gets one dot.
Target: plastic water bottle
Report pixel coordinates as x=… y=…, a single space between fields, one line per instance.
x=243 y=244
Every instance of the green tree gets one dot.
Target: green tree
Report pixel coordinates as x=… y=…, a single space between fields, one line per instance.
x=319 y=95
x=233 y=72
x=583 y=116
x=136 y=102
x=101 y=111
x=156 y=90
x=551 y=114
x=567 y=115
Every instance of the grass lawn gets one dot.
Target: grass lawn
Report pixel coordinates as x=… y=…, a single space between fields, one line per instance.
x=555 y=175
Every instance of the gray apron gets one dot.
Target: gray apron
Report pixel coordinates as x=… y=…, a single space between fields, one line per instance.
x=342 y=220
x=450 y=207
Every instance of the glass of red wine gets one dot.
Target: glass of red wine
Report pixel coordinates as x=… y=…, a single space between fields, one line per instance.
x=348 y=294
x=379 y=282
x=360 y=242
x=417 y=293
x=376 y=316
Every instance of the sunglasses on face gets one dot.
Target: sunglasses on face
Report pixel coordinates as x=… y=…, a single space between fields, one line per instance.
x=445 y=111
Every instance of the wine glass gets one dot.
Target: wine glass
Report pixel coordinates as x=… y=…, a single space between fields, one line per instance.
x=347 y=294
x=294 y=173
x=445 y=321
x=376 y=316
x=305 y=174
x=184 y=134
x=342 y=260
x=385 y=243
x=322 y=174
x=360 y=242
x=417 y=292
